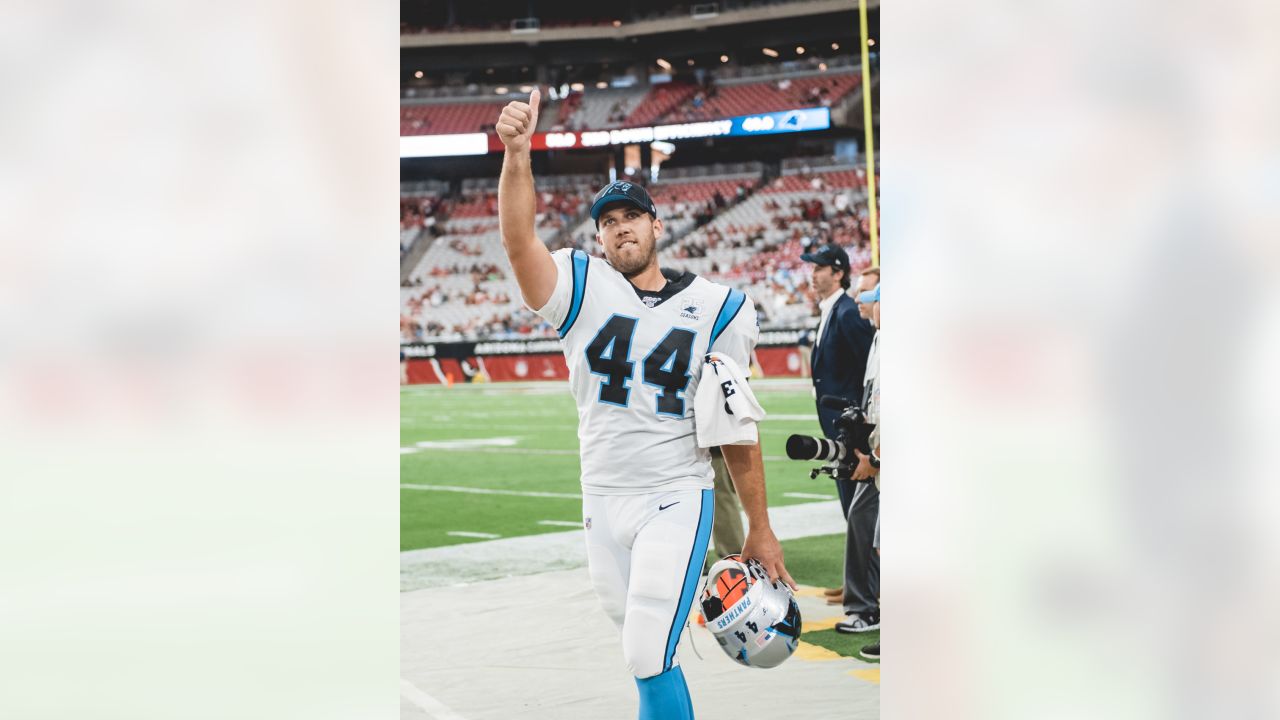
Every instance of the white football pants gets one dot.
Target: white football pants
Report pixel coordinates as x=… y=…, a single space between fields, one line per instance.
x=645 y=554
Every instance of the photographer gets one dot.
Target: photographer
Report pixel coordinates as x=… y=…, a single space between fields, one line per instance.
x=867 y=470
x=839 y=362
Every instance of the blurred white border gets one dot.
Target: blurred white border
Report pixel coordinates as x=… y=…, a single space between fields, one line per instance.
x=198 y=403
x=1080 y=252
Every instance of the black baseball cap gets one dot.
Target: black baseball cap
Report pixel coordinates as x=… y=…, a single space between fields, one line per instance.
x=622 y=191
x=831 y=255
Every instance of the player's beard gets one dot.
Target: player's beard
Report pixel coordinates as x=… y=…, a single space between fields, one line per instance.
x=635 y=259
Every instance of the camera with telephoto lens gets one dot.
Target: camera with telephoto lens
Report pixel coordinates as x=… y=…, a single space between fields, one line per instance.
x=851 y=432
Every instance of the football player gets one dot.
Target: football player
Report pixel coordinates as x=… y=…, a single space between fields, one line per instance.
x=634 y=338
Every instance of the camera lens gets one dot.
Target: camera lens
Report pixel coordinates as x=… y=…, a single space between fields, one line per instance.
x=804 y=447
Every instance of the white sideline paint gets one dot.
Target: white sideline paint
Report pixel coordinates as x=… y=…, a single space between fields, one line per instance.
x=560 y=523
x=487 y=491
x=521 y=451
x=809 y=496
x=533 y=554
x=426 y=703
x=445 y=445
x=464 y=533
x=529 y=451
x=467 y=443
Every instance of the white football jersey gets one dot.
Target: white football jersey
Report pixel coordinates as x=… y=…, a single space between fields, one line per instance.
x=634 y=366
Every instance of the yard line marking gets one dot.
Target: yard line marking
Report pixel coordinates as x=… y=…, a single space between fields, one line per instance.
x=560 y=523
x=432 y=707
x=514 y=451
x=809 y=496
x=464 y=533
x=490 y=491
x=525 y=427
x=470 y=562
x=467 y=443
x=448 y=446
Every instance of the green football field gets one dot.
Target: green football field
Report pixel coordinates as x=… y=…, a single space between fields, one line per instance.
x=484 y=461
x=488 y=461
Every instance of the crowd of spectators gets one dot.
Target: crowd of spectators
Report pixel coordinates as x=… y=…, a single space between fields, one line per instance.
x=779 y=94
x=420 y=211
x=517 y=324
x=462 y=248
x=480 y=272
x=829 y=211
x=437 y=295
x=419 y=215
x=556 y=208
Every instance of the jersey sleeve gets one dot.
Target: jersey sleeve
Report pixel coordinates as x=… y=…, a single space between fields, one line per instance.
x=557 y=308
x=741 y=331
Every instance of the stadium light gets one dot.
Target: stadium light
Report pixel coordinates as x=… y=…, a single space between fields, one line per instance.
x=770 y=52
x=799 y=49
x=526 y=88
x=690 y=62
x=617 y=23
x=663 y=64
x=577 y=87
x=417 y=74
x=822 y=67
x=602 y=85
x=724 y=58
x=871 y=41
x=835 y=46
x=500 y=91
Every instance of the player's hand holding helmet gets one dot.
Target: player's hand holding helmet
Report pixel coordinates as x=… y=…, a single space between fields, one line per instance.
x=516 y=123
x=756 y=622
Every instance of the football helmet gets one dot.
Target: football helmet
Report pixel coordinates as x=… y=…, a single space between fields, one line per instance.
x=756 y=622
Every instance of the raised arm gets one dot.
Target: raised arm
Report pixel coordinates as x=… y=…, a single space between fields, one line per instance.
x=530 y=259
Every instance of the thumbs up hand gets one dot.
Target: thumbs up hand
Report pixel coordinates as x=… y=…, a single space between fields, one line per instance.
x=516 y=123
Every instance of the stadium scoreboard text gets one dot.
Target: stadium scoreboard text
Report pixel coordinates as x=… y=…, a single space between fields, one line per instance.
x=772 y=123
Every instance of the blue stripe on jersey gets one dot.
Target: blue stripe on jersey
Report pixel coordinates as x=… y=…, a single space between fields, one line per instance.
x=692 y=573
x=733 y=302
x=580 y=262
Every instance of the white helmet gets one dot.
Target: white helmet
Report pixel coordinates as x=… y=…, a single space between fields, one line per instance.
x=761 y=625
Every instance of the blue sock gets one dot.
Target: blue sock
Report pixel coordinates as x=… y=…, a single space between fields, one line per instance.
x=665 y=696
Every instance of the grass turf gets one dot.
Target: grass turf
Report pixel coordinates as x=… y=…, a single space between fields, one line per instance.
x=538 y=423
x=523 y=437
x=819 y=561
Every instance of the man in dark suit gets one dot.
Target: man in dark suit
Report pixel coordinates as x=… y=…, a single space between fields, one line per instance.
x=838 y=367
